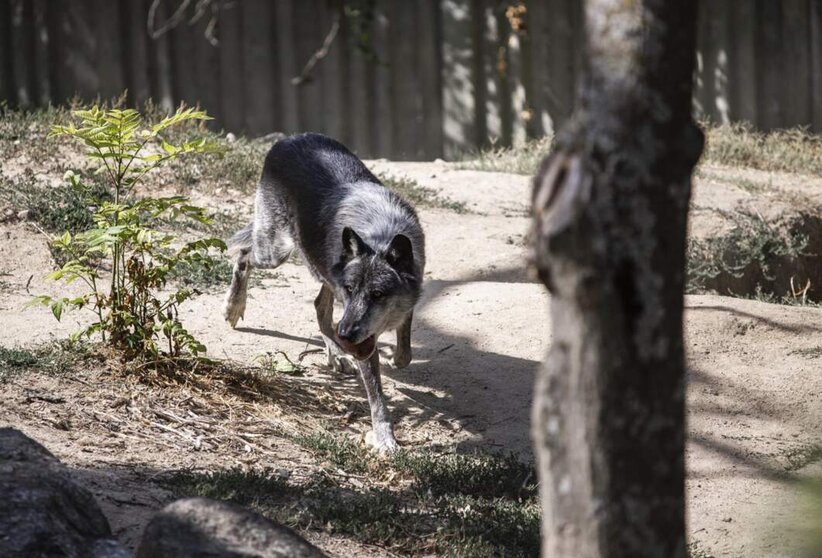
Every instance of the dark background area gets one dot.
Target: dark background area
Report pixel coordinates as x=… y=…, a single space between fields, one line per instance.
x=410 y=79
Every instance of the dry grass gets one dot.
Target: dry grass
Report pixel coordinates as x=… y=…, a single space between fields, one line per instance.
x=515 y=160
x=738 y=145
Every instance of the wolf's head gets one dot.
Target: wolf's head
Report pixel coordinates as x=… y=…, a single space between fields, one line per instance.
x=377 y=288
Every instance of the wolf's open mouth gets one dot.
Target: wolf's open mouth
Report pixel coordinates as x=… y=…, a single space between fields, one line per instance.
x=360 y=351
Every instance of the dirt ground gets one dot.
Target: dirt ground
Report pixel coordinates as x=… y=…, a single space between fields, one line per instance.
x=754 y=395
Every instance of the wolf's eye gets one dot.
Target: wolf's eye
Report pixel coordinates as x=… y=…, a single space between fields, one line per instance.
x=348 y=288
x=377 y=295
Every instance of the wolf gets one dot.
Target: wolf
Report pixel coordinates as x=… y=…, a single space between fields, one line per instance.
x=361 y=241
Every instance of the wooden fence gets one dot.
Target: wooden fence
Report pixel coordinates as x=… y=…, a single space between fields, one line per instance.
x=434 y=77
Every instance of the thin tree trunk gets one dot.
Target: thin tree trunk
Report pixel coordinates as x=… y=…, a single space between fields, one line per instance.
x=610 y=213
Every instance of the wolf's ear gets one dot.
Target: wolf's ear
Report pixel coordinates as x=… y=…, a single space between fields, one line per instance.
x=353 y=245
x=401 y=254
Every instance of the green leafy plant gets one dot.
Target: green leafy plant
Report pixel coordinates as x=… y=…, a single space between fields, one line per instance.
x=133 y=311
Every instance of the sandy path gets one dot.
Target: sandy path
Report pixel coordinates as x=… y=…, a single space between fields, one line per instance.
x=481 y=329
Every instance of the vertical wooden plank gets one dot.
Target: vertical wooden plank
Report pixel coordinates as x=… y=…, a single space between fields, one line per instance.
x=459 y=127
x=358 y=87
x=22 y=44
x=382 y=130
x=742 y=61
x=493 y=83
x=478 y=74
x=207 y=67
x=287 y=68
x=429 y=65
x=160 y=65
x=135 y=50
x=306 y=41
x=771 y=60
x=530 y=116
x=816 y=64
x=41 y=53
x=405 y=83
x=232 y=91
x=796 y=69
x=331 y=75
x=498 y=32
x=516 y=87
x=6 y=68
x=185 y=81
x=540 y=67
x=562 y=59
x=108 y=49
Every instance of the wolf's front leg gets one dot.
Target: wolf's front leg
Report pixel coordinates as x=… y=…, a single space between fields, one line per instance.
x=402 y=354
x=381 y=437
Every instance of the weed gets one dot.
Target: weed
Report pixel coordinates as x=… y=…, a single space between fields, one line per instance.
x=488 y=475
x=130 y=313
x=47 y=358
x=750 y=248
x=280 y=363
x=800 y=456
x=794 y=150
x=203 y=273
x=336 y=449
x=420 y=196
x=243 y=487
x=517 y=160
x=239 y=167
x=54 y=209
x=809 y=352
x=479 y=505
x=696 y=551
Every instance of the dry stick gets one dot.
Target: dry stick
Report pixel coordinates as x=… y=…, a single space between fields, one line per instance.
x=319 y=54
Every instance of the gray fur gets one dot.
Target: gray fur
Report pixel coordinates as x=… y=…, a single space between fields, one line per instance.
x=312 y=194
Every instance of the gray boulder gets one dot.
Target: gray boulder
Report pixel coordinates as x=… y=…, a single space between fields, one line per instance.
x=203 y=528
x=43 y=513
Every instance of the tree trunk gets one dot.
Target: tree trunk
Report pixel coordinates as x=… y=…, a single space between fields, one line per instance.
x=610 y=213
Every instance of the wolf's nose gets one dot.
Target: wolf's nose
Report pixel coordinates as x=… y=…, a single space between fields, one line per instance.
x=345 y=332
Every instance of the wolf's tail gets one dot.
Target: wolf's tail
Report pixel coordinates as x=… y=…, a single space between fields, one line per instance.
x=241 y=241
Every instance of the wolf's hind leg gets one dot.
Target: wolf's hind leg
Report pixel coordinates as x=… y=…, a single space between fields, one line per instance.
x=235 y=298
x=337 y=359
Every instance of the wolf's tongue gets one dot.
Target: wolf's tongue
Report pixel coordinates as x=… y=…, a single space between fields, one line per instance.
x=360 y=351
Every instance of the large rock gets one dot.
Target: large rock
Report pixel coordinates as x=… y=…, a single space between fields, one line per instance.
x=199 y=527
x=43 y=513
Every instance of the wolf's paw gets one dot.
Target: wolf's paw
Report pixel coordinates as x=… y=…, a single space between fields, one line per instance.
x=382 y=441
x=402 y=358
x=233 y=312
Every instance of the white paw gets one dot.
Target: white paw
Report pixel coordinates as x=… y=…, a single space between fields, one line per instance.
x=383 y=443
x=234 y=312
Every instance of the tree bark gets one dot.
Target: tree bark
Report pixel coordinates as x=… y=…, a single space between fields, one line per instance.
x=610 y=213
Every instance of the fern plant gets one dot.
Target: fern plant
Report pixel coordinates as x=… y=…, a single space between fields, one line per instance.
x=133 y=307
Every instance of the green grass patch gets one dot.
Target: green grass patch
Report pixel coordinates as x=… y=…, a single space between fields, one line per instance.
x=747 y=255
x=420 y=196
x=50 y=358
x=204 y=274
x=54 y=208
x=417 y=502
